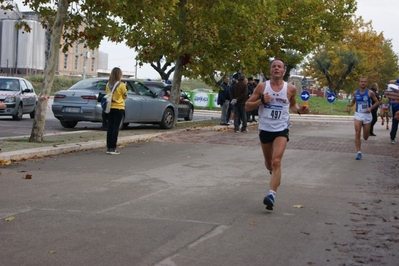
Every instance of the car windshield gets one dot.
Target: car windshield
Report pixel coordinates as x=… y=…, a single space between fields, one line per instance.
x=9 y=85
x=90 y=84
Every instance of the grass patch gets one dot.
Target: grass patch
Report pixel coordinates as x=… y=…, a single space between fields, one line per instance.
x=204 y=123
x=320 y=106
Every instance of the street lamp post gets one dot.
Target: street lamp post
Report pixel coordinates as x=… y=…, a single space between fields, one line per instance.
x=86 y=55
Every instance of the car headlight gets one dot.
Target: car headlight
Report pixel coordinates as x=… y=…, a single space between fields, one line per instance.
x=10 y=99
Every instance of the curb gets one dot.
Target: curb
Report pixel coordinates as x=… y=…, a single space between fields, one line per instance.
x=21 y=155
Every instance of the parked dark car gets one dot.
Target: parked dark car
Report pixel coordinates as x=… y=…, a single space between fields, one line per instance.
x=19 y=97
x=186 y=107
x=80 y=103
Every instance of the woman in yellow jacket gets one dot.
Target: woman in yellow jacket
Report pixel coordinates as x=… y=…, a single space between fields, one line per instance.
x=117 y=109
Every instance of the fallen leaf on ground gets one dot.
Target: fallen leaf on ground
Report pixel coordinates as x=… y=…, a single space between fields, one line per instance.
x=5 y=162
x=298 y=206
x=28 y=176
x=9 y=219
x=253 y=223
x=52 y=251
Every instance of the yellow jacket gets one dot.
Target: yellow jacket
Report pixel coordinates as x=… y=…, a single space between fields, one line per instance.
x=119 y=96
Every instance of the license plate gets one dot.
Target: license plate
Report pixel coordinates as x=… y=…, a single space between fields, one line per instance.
x=71 y=110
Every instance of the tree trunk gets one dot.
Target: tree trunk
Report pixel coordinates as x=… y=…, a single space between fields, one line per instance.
x=176 y=83
x=40 y=117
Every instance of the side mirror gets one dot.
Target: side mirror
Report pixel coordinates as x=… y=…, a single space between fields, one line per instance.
x=26 y=91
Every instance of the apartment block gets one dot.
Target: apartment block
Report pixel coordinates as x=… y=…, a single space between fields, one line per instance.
x=25 y=53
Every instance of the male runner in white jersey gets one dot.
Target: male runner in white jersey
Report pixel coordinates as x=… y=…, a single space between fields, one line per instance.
x=274 y=98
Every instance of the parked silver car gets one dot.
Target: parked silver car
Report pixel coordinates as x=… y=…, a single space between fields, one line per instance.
x=19 y=96
x=79 y=103
x=185 y=107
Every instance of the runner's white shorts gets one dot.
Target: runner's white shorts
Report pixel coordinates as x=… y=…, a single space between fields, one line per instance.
x=366 y=118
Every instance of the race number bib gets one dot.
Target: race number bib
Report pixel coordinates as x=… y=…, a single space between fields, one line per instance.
x=362 y=107
x=273 y=112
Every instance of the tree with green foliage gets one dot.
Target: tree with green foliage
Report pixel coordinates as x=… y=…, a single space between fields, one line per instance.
x=202 y=41
x=389 y=69
x=85 y=21
x=339 y=64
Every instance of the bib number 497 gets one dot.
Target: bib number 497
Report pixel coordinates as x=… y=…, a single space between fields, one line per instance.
x=275 y=114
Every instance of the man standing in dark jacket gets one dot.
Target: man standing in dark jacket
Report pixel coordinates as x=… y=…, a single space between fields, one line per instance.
x=374 y=88
x=223 y=100
x=239 y=95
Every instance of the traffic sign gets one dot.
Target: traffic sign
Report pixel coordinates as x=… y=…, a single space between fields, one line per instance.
x=328 y=91
x=331 y=97
x=304 y=82
x=305 y=95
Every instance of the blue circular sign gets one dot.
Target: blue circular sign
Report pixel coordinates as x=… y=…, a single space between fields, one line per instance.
x=331 y=97
x=305 y=95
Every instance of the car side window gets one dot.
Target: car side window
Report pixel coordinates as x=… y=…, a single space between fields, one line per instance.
x=143 y=90
x=101 y=85
x=130 y=88
x=29 y=85
x=23 y=85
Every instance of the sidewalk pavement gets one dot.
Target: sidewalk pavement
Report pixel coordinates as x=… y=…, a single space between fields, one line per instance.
x=19 y=148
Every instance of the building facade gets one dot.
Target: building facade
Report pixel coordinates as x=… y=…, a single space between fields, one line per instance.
x=25 y=53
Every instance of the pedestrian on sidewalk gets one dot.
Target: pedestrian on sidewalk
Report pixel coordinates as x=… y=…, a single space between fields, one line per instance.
x=223 y=101
x=393 y=96
x=117 y=109
x=239 y=95
x=374 y=88
x=274 y=98
x=363 y=97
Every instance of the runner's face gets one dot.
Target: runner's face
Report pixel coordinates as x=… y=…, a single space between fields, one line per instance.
x=277 y=69
x=363 y=83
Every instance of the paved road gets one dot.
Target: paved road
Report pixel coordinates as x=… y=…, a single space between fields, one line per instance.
x=195 y=198
x=10 y=127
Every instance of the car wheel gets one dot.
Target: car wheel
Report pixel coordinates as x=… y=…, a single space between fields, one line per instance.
x=18 y=115
x=190 y=115
x=32 y=114
x=168 y=119
x=68 y=124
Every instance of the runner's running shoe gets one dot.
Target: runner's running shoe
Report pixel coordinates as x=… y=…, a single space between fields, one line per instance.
x=269 y=202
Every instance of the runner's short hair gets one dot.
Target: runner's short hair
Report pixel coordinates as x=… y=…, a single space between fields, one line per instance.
x=277 y=59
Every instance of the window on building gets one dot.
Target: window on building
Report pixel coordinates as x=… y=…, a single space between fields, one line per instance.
x=65 y=61
x=76 y=47
x=76 y=61
x=92 y=64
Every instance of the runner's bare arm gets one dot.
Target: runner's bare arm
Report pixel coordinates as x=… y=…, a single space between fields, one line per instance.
x=348 y=107
x=255 y=100
x=293 y=104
